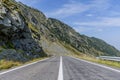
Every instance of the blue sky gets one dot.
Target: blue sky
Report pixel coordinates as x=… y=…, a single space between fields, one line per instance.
x=98 y=18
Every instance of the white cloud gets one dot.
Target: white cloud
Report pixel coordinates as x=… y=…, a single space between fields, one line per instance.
x=89 y=15
x=104 y=22
x=114 y=13
x=100 y=30
x=75 y=7
x=69 y=9
x=81 y=29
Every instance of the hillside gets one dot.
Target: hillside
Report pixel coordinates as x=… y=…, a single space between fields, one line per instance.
x=26 y=33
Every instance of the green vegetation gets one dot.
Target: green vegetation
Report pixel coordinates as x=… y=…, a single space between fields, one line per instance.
x=9 y=2
x=36 y=25
x=73 y=50
x=105 y=62
x=34 y=60
x=8 y=44
x=82 y=43
x=4 y=64
x=32 y=27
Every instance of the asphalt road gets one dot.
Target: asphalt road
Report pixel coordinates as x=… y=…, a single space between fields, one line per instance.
x=64 y=68
x=79 y=70
x=44 y=70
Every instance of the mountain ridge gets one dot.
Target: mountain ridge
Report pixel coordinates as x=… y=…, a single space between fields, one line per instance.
x=26 y=33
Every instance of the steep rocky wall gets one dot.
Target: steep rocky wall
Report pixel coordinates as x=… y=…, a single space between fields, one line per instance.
x=82 y=43
x=26 y=33
x=15 y=34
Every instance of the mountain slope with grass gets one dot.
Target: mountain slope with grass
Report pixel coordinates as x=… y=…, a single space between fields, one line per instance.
x=26 y=33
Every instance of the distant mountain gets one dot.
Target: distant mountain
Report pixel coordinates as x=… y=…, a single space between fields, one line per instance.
x=26 y=33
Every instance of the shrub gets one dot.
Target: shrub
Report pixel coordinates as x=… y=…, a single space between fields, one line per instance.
x=4 y=64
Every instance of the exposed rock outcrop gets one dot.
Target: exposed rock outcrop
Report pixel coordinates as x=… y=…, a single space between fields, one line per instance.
x=15 y=33
x=26 y=33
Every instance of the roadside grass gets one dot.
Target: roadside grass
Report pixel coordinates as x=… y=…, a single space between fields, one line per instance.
x=114 y=64
x=5 y=64
x=35 y=60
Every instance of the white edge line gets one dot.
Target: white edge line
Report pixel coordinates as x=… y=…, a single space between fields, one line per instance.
x=98 y=65
x=21 y=67
x=60 y=74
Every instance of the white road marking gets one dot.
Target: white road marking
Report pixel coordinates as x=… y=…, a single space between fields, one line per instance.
x=20 y=67
x=60 y=74
x=98 y=65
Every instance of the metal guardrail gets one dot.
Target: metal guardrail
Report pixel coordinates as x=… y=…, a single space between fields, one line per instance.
x=109 y=58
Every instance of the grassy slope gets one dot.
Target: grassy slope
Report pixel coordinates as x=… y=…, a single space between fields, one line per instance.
x=104 y=62
x=4 y=64
x=91 y=58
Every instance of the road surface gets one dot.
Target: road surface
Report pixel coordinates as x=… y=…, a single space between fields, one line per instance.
x=61 y=68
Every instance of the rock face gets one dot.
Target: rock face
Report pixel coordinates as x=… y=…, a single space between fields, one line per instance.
x=26 y=33
x=15 y=34
x=82 y=43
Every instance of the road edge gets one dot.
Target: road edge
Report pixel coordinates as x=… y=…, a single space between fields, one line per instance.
x=23 y=66
x=106 y=67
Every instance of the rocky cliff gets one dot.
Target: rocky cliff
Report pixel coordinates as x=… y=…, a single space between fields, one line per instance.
x=26 y=33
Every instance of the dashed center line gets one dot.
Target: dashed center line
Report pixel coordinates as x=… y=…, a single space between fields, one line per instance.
x=60 y=75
